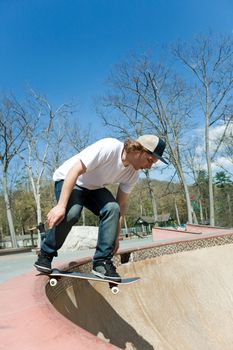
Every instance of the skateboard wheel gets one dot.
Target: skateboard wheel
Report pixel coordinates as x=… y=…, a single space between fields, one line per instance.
x=115 y=290
x=53 y=282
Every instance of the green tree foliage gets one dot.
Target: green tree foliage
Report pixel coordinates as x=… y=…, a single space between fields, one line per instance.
x=223 y=199
x=222 y=180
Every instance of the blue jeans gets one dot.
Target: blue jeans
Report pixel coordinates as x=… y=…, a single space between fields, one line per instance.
x=102 y=203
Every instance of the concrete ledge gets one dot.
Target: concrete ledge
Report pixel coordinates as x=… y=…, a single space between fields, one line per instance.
x=159 y=233
x=206 y=229
x=15 y=250
x=192 y=232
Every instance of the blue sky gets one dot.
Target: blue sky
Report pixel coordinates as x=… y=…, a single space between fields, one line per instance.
x=66 y=49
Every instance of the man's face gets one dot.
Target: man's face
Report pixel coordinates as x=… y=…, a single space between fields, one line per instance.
x=142 y=160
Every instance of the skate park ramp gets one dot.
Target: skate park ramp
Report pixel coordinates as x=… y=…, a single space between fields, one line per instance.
x=184 y=301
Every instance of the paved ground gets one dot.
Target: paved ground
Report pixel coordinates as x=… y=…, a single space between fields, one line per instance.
x=13 y=265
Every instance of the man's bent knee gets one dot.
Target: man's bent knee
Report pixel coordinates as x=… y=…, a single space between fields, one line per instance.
x=73 y=214
x=112 y=208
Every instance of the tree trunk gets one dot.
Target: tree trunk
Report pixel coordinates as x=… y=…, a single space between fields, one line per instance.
x=210 y=176
x=152 y=196
x=126 y=227
x=188 y=203
x=36 y=194
x=201 y=212
x=194 y=216
x=38 y=203
x=186 y=192
x=177 y=214
x=38 y=210
x=84 y=217
x=9 y=212
x=229 y=208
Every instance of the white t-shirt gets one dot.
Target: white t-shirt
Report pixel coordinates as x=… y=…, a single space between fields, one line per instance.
x=104 y=166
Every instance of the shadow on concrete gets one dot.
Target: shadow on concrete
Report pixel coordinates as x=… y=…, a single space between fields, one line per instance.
x=84 y=306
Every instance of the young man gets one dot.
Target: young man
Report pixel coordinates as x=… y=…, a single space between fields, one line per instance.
x=80 y=182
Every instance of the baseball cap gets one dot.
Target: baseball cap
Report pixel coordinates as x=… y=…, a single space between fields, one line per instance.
x=154 y=144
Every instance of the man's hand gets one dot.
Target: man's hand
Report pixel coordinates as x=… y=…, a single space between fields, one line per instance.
x=56 y=215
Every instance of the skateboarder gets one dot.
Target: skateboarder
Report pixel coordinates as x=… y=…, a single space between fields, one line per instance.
x=80 y=182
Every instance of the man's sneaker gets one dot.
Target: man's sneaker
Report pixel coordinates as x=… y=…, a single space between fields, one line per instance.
x=106 y=269
x=43 y=264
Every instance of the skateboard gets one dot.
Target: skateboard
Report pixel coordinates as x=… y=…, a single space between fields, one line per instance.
x=56 y=274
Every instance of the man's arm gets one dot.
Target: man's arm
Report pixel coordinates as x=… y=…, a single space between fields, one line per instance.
x=57 y=214
x=121 y=198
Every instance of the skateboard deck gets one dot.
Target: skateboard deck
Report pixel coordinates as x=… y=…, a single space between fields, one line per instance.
x=56 y=274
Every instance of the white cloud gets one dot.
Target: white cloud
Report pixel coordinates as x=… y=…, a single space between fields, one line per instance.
x=220 y=162
x=200 y=150
x=216 y=133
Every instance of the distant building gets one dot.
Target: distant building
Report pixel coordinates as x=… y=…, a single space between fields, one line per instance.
x=147 y=222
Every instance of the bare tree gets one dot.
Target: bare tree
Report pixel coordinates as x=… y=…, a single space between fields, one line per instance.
x=12 y=127
x=57 y=151
x=77 y=137
x=226 y=152
x=39 y=136
x=194 y=161
x=68 y=131
x=148 y=97
x=152 y=195
x=210 y=60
